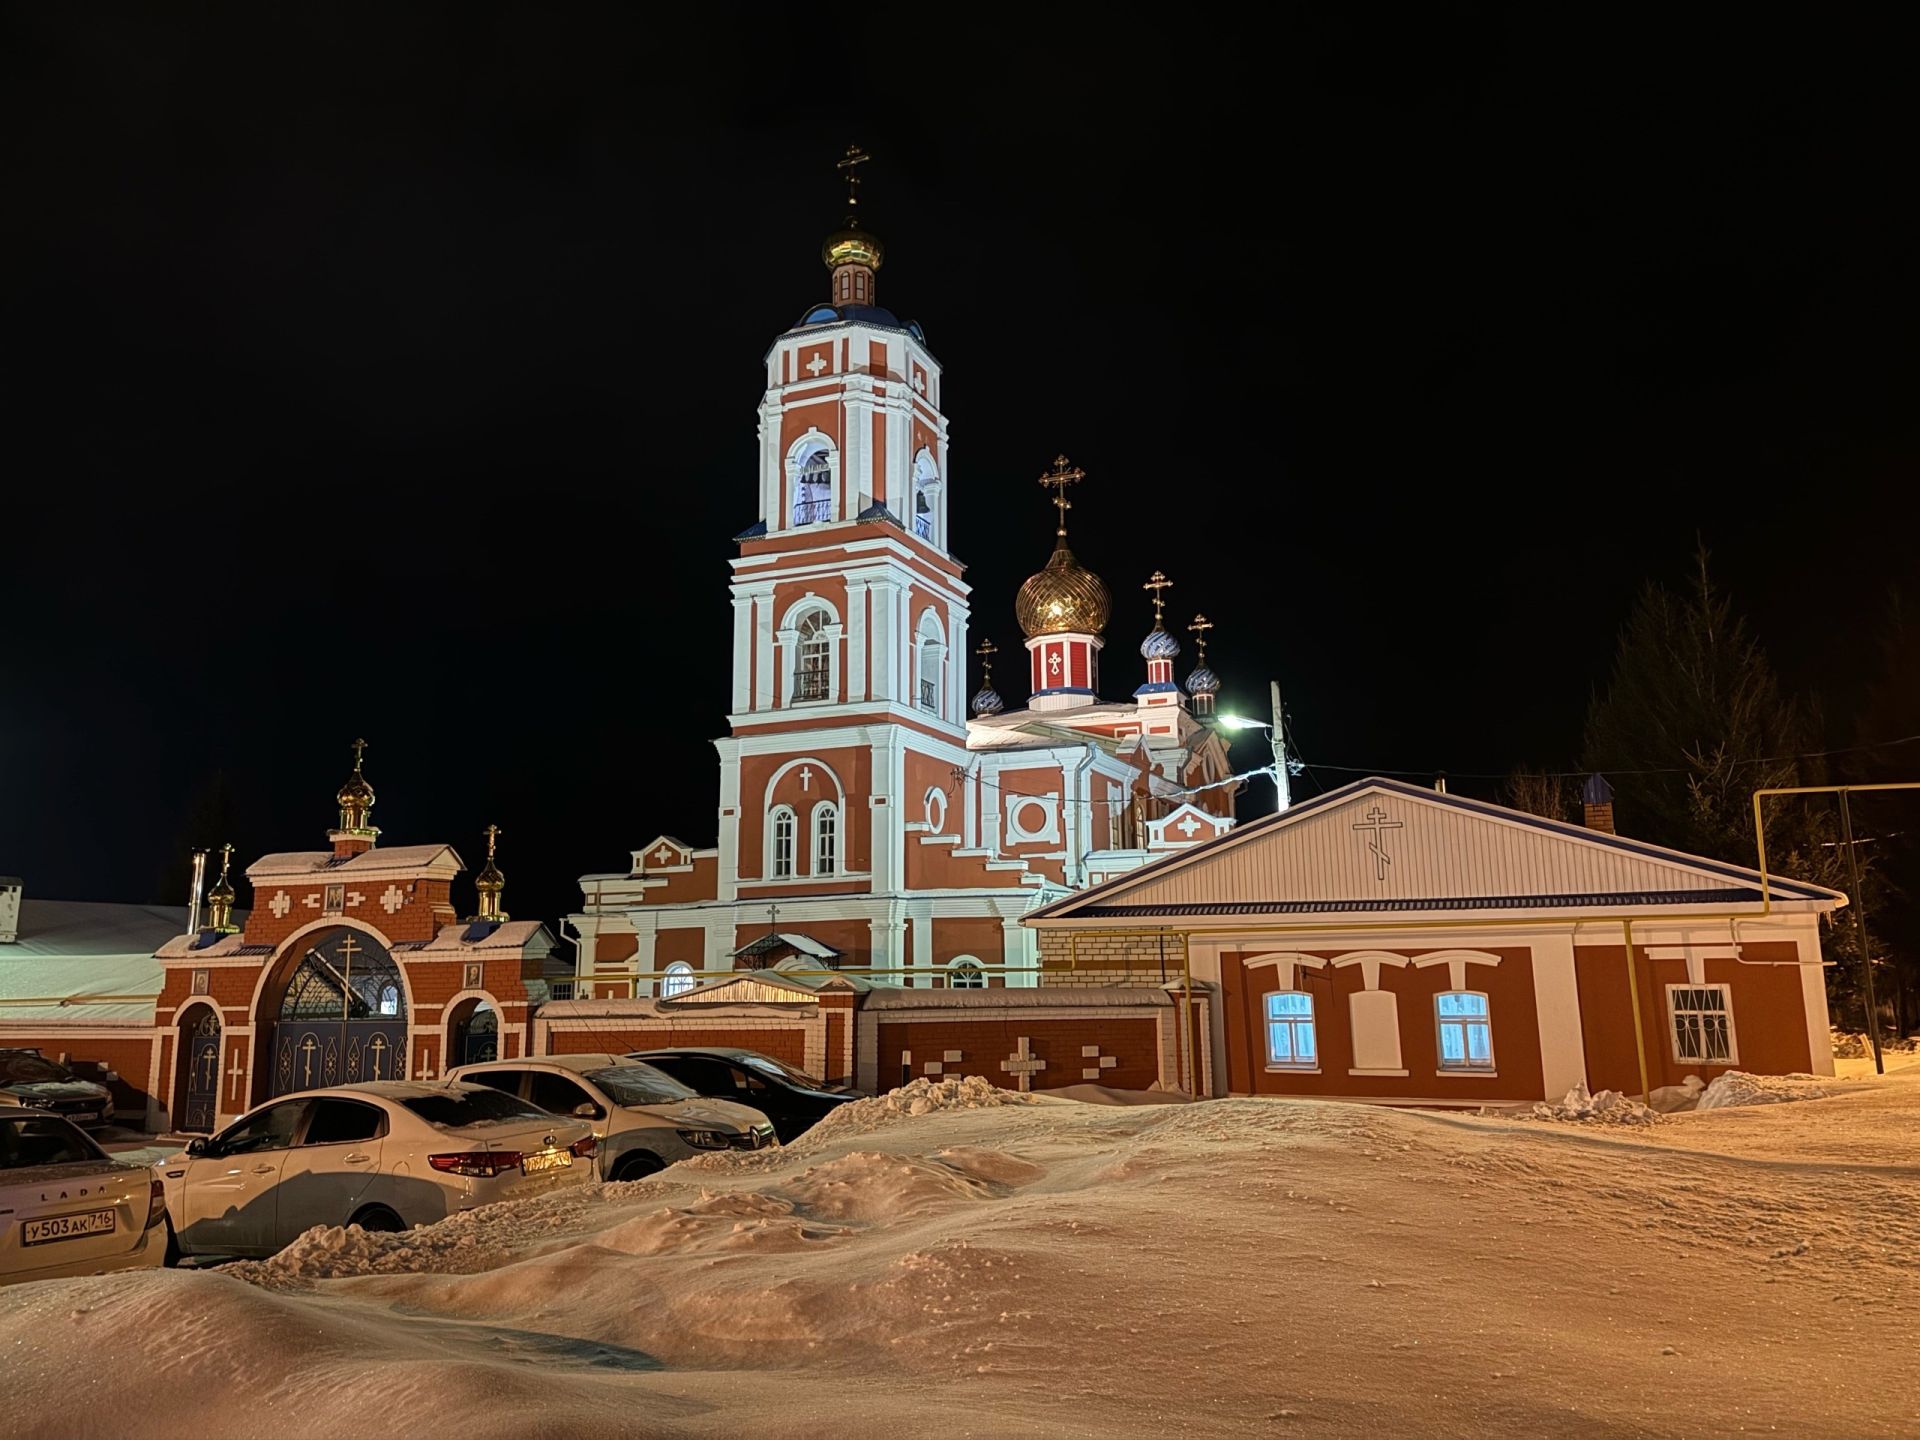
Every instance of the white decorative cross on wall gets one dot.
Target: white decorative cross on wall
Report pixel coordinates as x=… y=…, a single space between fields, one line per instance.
x=394 y=898
x=1022 y=1065
x=237 y=1072
x=1053 y=662
x=1377 y=823
x=663 y=854
x=1093 y=1062
x=280 y=904
x=806 y=777
x=920 y=381
x=1187 y=826
x=426 y=1066
x=816 y=365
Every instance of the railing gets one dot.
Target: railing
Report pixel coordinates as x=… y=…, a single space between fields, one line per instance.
x=810 y=685
x=812 y=512
x=927 y=697
x=923 y=526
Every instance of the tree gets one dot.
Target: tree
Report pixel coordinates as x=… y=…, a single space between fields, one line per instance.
x=1692 y=722
x=1539 y=793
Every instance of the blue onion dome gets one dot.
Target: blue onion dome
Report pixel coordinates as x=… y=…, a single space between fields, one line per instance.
x=988 y=701
x=1159 y=645
x=1203 y=681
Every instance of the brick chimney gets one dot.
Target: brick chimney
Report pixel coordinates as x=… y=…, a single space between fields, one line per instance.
x=1596 y=800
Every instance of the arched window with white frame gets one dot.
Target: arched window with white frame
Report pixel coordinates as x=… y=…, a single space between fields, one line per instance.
x=677 y=980
x=1465 y=1030
x=926 y=497
x=812 y=468
x=813 y=657
x=930 y=663
x=1292 y=1043
x=780 y=828
x=826 y=838
x=966 y=973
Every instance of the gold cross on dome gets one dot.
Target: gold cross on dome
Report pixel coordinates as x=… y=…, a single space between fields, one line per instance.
x=1198 y=629
x=848 y=165
x=492 y=832
x=1157 y=584
x=986 y=650
x=359 y=749
x=1057 y=479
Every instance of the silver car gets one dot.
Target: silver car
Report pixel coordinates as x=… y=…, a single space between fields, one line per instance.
x=69 y=1208
x=645 y=1119
x=384 y=1155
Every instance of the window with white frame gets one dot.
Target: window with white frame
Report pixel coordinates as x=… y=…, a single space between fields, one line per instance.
x=813 y=488
x=965 y=973
x=1466 y=1030
x=1702 y=1023
x=826 y=837
x=781 y=860
x=677 y=981
x=931 y=656
x=813 y=658
x=1291 y=1042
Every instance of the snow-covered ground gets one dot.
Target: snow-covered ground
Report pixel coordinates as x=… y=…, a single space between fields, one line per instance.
x=1059 y=1269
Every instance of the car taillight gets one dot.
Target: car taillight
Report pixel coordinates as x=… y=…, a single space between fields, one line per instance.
x=585 y=1148
x=482 y=1164
x=156 y=1204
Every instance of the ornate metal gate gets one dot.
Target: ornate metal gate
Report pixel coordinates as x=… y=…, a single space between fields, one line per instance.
x=343 y=1018
x=202 y=1097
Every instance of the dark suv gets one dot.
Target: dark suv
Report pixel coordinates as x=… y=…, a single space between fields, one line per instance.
x=790 y=1098
x=28 y=1078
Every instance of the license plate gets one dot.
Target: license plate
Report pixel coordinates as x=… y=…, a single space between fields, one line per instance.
x=545 y=1160
x=81 y=1115
x=66 y=1227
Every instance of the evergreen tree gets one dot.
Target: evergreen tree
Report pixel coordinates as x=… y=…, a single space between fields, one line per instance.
x=1692 y=722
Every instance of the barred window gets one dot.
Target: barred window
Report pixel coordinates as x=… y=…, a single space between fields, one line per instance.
x=1702 y=1024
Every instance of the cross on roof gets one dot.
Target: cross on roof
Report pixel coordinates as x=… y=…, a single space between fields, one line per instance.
x=359 y=749
x=1057 y=479
x=848 y=165
x=1158 y=583
x=1198 y=629
x=492 y=832
x=986 y=650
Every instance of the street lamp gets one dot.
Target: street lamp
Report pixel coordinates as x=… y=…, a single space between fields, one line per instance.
x=1240 y=722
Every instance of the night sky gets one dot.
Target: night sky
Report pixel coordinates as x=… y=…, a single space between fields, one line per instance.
x=392 y=371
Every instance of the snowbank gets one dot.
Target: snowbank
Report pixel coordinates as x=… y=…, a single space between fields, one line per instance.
x=917 y=1097
x=1737 y=1087
x=1609 y=1107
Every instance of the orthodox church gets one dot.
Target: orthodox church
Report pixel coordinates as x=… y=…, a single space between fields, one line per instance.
x=870 y=815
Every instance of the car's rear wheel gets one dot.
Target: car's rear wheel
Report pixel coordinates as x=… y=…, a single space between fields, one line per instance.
x=378 y=1219
x=637 y=1165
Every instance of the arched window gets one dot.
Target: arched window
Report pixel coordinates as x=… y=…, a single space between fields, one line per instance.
x=813 y=660
x=926 y=489
x=931 y=652
x=1466 y=1030
x=964 y=973
x=677 y=981
x=813 y=488
x=1291 y=1043
x=781 y=860
x=826 y=838
x=476 y=1037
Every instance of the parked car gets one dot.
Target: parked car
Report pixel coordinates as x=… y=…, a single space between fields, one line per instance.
x=791 y=1098
x=645 y=1120
x=69 y=1208
x=383 y=1155
x=29 y=1078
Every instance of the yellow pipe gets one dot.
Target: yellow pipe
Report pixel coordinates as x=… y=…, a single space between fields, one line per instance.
x=1760 y=834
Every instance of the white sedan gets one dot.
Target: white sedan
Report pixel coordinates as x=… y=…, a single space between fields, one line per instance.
x=386 y=1155
x=69 y=1208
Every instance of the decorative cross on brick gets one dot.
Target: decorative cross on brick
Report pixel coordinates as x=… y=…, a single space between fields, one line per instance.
x=663 y=854
x=378 y=1049
x=920 y=381
x=280 y=904
x=1022 y=1064
x=238 y=1072
x=1095 y=1062
x=816 y=365
x=947 y=1057
x=393 y=899
x=806 y=777
x=426 y=1066
x=1187 y=826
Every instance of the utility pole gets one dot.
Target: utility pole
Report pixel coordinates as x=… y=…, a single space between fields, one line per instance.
x=1860 y=931
x=1281 y=790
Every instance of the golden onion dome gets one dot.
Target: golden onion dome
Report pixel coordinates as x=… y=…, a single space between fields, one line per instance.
x=852 y=246
x=1065 y=597
x=356 y=791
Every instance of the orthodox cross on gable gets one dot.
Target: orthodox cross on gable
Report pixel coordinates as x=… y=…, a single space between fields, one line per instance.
x=1057 y=480
x=849 y=166
x=1377 y=825
x=1157 y=584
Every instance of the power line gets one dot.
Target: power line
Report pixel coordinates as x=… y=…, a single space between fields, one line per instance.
x=1647 y=770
